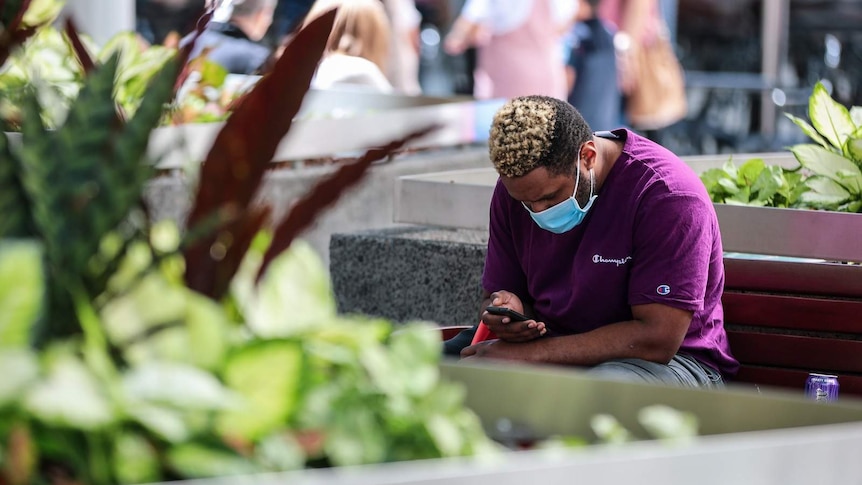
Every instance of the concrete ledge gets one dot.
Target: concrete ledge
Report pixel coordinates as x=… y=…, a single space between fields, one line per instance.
x=410 y=273
x=370 y=205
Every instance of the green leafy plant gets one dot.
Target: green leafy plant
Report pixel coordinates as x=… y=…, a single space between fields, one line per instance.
x=54 y=64
x=164 y=352
x=835 y=157
x=199 y=395
x=208 y=96
x=21 y=19
x=829 y=175
x=754 y=183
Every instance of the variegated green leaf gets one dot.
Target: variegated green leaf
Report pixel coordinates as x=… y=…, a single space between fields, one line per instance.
x=856 y=116
x=71 y=396
x=830 y=117
x=22 y=290
x=21 y=371
x=853 y=147
x=855 y=206
x=828 y=164
x=269 y=399
x=824 y=192
x=809 y=131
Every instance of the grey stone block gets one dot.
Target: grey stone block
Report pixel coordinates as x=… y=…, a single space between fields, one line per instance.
x=410 y=273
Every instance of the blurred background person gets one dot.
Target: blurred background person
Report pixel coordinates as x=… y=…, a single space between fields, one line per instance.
x=403 y=66
x=232 y=37
x=519 y=45
x=650 y=74
x=358 y=50
x=593 y=87
x=288 y=16
x=166 y=21
x=636 y=23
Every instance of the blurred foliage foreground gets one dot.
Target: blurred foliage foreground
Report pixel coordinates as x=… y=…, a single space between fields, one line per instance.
x=49 y=64
x=135 y=351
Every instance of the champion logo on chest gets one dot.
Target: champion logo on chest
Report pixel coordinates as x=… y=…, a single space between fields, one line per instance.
x=599 y=259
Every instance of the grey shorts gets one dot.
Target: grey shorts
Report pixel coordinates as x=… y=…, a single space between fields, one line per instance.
x=683 y=370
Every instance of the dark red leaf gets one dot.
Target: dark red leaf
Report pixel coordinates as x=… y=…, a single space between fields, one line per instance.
x=9 y=41
x=233 y=170
x=19 y=17
x=13 y=35
x=325 y=193
x=239 y=236
x=78 y=48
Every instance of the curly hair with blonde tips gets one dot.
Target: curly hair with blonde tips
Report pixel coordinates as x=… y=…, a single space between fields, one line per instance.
x=536 y=131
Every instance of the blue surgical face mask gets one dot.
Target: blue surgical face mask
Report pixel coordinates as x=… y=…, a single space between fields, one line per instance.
x=567 y=214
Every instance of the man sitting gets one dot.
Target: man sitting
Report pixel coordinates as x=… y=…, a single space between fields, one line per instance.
x=609 y=244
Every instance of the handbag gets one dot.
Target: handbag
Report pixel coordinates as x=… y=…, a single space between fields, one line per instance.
x=657 y=98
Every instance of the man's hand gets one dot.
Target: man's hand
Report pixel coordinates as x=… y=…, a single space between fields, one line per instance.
x=504 y=327
x=498 y=349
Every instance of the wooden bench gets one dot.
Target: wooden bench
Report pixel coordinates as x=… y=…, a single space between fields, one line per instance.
x=795 y=313
x=785 y=319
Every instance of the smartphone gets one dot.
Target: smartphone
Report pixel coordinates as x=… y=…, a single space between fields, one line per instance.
x=507 y=312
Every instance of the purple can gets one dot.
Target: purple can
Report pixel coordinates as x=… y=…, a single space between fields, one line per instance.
x=822 y=387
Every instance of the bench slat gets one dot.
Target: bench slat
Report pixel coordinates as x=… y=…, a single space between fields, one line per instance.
x=792 y=312
x=807 y=354
x=792 y=379
x=451 y=331
x=793 y=277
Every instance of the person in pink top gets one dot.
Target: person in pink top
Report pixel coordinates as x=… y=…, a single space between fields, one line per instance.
x=519 y=45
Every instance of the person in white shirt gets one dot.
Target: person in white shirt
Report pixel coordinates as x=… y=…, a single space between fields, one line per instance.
x=357 y=52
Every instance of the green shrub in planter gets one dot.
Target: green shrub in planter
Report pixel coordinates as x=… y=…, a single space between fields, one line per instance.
x=829 y=175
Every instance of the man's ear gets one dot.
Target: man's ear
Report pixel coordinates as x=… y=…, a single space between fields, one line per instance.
x=589 y=154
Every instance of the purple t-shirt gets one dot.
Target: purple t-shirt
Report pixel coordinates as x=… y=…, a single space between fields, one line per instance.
x=651 y=236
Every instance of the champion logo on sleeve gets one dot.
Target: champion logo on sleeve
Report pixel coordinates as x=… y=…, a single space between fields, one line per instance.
x=663 y=290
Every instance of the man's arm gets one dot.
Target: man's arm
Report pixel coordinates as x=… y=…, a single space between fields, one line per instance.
x=654 y=334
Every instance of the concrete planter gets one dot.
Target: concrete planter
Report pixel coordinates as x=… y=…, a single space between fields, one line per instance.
x=333 y=124
x=747 y=438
